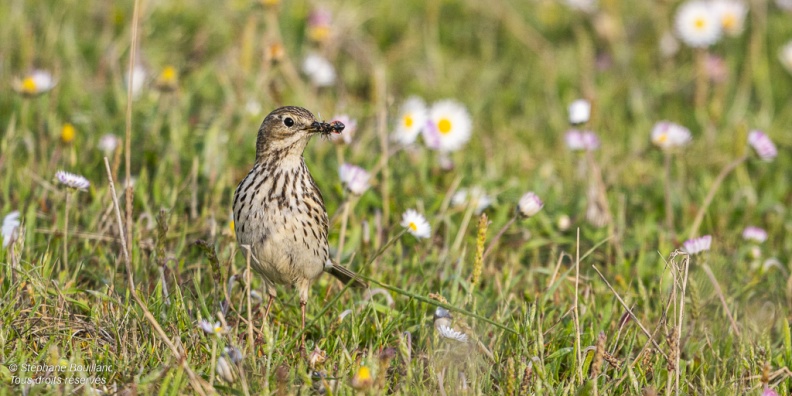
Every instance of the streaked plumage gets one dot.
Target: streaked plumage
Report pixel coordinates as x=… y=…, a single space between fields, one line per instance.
x=278 y=208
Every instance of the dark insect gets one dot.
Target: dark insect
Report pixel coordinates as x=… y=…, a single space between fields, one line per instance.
x=336 y=126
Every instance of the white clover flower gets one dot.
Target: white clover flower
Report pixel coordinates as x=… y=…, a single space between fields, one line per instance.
x=71 y=180
x=698 y=245
x=785 y=55
x=215 y=328
x=412 y=119
x=449 y=126
x=697 y=24
x=450 y=334
x=108 y=143
x=350 y=127
x=529 y=204
x=10 y=228
x=354 y=178
x=476 y=194
x=581 y=140
x=756 y=234
x=35 y=83
x=762 y=144
x=139 y=75
x=668 y=135
x=319 y=70
x=579 y=112
x=732 y=15
x=416 y=224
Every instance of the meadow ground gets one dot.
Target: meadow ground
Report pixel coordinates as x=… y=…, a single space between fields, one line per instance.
x=584 y=297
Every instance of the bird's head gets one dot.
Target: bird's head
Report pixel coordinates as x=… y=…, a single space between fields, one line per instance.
x=286 y=131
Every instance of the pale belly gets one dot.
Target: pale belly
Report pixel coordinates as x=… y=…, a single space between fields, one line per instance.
x=285 y=252
x=282 y=219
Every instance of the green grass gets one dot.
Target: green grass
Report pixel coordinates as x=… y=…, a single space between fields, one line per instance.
x=516 y=66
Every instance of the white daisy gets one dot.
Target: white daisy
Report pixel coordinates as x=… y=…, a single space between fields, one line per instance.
x=784 y=4
x=10 y=228
x=448 y=333
x=579 y=112
x=529 y=204
x=138 y=80
x=108 y=143
x=215 y=328
x=354 y=178
x=412 y=119
x=668 y=135
x=756 y=234
x=785 y=55
x=224 y=370
x=581 y=140
x=476 y=194
x=71 y=180
x=697 y=24
x=35 y=83
x=732 y=15
x=762 y=144
x=319 y=70
x=416 y=224
x=449 y=126
x=350 y=127
x=698 y=245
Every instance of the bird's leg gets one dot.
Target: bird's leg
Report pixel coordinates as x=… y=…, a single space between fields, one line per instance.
x=269 y=305
x=302 y=337
x=266 y=313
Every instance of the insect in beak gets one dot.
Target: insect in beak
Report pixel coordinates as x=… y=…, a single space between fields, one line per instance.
x=327 y=128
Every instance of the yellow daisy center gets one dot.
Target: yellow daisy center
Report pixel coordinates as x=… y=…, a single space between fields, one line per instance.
x=29 y=85
x=408 y=121
x=444 y=126
x=319 y=33
x=662 y=138
x=218 y=329
x=168 y=74
x=700 y=23
x=67 y=133
x=364 y=374
x=729 y=21
x=413 y=226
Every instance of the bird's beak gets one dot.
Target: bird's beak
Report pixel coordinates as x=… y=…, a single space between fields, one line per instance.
x=327 y=127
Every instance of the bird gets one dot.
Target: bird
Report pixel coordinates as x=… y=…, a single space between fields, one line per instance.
x=279 y=213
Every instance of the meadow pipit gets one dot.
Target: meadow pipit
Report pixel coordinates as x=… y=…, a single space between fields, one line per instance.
x=278 y=209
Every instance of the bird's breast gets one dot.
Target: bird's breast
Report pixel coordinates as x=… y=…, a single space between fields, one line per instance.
x=279 y=213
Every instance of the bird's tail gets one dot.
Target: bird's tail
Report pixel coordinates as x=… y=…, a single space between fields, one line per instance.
x=346 y=276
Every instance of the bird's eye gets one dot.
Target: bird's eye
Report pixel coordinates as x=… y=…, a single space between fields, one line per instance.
x=288 y=121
